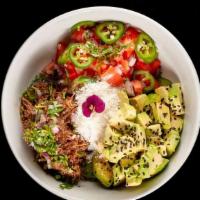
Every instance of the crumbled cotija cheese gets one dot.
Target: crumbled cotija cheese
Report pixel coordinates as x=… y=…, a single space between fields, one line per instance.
x=92 y=128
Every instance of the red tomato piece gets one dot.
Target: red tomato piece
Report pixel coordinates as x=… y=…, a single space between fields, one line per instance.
x=156 y=84
x=90 y=72
x=137 y=86
x=155 y=66
x=78 y=35
x=130 y=35
x=112 y=76
x=103 y=68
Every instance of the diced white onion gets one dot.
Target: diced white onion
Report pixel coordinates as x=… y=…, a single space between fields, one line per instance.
x=129 y=88
x=55 y=129
x=131 y=61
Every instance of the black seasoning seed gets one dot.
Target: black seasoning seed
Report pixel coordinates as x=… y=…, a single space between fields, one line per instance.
x=165 y=115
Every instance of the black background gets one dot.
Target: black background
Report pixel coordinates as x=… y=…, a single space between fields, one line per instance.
x=19 y=21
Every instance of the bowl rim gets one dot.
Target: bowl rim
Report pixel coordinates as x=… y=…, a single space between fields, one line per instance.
x=97 y=8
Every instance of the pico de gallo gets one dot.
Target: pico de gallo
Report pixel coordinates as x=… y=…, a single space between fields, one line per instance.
x=112 y=51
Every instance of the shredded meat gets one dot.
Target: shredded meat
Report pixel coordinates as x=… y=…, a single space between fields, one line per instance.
x=27 y=112
x=69 y=144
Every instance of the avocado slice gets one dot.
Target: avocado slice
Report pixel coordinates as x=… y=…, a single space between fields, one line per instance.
x=143 y=119
x=121 y=124
x=176 y=123
x=111 y=135
x=118 y=175
x=102 y=170
x=153 y=130
x=176 y=99
x=163 y=92
x=123 y=98
x=161 y=114
x=151 y=162
x=139 y=102
x=126 y=146
x=172 y=140
x=153 y=98
x=132 y=179
x=127 y=161
x=128 y=112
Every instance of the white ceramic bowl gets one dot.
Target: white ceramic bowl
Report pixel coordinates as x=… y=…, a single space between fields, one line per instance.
x=38 y=50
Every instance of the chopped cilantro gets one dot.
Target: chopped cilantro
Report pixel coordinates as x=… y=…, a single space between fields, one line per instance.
x=66 y=185
x=54 y=109
x=42 y=140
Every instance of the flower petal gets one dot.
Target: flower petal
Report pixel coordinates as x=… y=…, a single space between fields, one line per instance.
x=86 y=110
x=100 y=106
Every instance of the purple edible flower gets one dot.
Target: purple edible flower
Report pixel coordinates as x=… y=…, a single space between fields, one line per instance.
x=93 y=103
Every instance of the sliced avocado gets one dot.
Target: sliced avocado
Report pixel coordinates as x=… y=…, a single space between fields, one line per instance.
x=102 y=170
x=153 y=130
x=156 y=162
x=162 y=149
x=132 y=178
x=139 y=102
x=143 y=119
x=161 y=114
x=127 y=161
x=111 y=135
x=176 y=123
x=123 y=98
x=172 y=140
x=163 y=92
x=141 y=166
x=124 y=126
x=153 y=98
x=118 y=175
x=176 y=99
x=128 y=112
x=127 y=145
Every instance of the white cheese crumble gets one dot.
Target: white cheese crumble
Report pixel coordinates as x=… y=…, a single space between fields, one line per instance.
x=92 y=128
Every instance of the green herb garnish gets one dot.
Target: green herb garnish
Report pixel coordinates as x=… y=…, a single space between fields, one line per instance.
x=54 y=109
x=42 y=140
x=66 y=185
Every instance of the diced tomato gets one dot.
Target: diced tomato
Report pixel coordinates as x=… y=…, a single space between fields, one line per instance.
x=112 y=76
x=78 y=35
x=72 y=76
x=72 y=73
x=122 y=64
x=103 y=68
x=129 y=36
x=155 y=66
x=127 y=53
x=60 y=49
x=140 y=65
x=90 y=72
x=137 y=86
x=156 y=84
x=95 y=37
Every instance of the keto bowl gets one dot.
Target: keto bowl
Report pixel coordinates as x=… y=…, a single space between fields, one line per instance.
x=38 y=50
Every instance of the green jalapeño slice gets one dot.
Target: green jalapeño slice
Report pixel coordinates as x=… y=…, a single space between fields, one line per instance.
x=145 y=48
x=110 y=32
